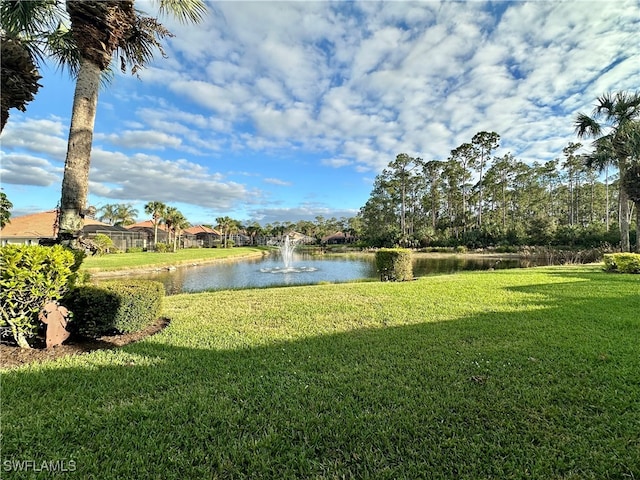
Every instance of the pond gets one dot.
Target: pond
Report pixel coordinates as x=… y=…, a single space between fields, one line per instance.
x=306 y=269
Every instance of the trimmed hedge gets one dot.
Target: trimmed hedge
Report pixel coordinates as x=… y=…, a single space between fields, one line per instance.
x=30 y=276
x=116 y=306
x=622 y=262
x=394 y=264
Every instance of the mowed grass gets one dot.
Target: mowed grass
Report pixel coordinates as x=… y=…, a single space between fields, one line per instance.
x=506 y=374
x=155 y=259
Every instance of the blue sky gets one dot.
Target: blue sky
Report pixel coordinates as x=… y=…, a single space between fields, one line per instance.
x=280 y=111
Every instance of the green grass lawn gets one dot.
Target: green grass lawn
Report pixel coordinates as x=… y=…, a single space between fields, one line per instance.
x=507 y=374
x=154 y=259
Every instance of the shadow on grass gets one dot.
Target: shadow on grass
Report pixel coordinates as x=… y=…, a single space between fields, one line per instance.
x=550 y=392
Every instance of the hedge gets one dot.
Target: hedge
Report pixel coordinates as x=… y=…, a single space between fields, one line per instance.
x=622 y=262
x=113 y=307
x=394 y=264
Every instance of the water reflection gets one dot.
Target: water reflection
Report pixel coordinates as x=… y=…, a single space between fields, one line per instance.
x=307 y=269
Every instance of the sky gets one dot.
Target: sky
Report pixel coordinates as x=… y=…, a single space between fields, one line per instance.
x=286 y=111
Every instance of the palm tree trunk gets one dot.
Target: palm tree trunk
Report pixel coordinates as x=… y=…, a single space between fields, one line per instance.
x=625 y=244
x=606 y=185
x=75 y=184
x=637 y=227
x=155 y=234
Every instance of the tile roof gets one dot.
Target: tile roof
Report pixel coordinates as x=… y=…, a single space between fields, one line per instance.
x=147 y=224
x=37 y=225
x=201 y=229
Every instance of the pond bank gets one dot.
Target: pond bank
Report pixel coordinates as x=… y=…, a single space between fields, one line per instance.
x=169 y=266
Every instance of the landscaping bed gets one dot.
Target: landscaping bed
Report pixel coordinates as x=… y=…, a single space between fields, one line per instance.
x=13 y=356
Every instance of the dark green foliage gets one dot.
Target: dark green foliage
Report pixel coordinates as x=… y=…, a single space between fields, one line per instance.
x=622 y=262
x=30 y=277
x=103 y=243
x=394 y=264
x=118 y=306
x=163 y=247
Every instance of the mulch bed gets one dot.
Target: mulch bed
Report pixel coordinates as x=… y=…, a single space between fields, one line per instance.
x=13 y=356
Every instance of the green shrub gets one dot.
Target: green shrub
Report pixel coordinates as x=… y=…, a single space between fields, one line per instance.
x=622 y=262
x=135 y=250
x=31 y=276
x=163 y=247
x=103 y=243
x=394 y=264
x=116 y=306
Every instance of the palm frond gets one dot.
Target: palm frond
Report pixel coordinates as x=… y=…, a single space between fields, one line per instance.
x=184 y=10
x=29 y=18
x=602 y=155
x=61 y=44
x=143 y=39
x=586 y=126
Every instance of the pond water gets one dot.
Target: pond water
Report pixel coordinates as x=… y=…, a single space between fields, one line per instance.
x=307 y=269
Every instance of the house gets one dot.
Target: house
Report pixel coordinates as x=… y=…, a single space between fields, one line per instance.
x=146 y=229
x=205 y=236
x=338 y=238
x=41 y=227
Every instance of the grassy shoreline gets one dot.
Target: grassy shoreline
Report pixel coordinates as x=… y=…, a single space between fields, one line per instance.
x=124 y=263
x=508 y=374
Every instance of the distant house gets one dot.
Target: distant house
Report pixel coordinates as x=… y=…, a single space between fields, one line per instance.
x=41 y=227
x=146 y=229
x=338 y=238
x=205 y=236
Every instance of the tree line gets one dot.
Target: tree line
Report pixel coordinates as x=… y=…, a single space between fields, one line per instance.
x=477 y=199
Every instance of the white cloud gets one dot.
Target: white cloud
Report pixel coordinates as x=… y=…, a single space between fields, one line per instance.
x=20 y=169
x=277 y=181
x=143 y=139
x=353 y=83
x=336 y=162
x=47 y=137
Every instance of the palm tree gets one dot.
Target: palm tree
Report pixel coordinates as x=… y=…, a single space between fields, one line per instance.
x=613 y=120
x=224 y=224
x=156 y=210
x=100 y=30
x=254 y=229
x=31 y=30
x=19 y=77
x=175 y=222
x=109 y=213
x=125 y=214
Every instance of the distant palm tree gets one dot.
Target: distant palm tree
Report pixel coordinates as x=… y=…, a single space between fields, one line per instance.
x=254 y=229
x=109 y=213
x=100 y=30
x=125 y=214
x=613 y=120
x=156 y=210
x=175 y=222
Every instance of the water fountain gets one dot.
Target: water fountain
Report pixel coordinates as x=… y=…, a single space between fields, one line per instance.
x=286 y=248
